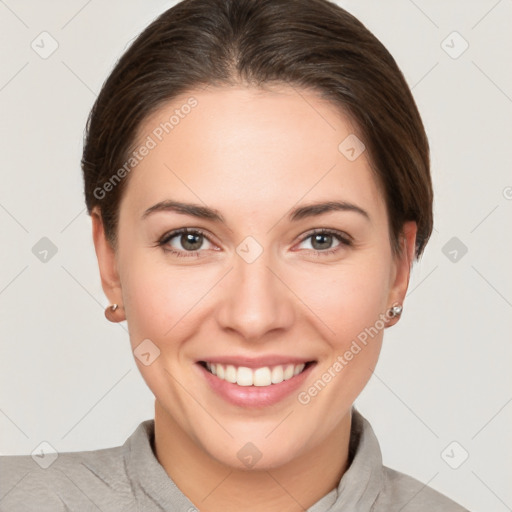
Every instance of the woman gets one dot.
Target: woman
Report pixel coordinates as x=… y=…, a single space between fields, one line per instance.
x=258 y=179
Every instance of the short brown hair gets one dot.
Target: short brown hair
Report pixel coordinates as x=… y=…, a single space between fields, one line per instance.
x=312 y=44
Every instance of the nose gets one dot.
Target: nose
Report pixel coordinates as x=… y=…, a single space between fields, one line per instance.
x=256 y=301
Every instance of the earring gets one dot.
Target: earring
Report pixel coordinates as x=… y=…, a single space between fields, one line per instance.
x=110 y=313
x=395 y=311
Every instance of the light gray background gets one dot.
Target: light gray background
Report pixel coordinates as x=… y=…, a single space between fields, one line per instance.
x=67 y=375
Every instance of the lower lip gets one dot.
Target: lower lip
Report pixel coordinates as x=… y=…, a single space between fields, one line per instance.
x=254 y=396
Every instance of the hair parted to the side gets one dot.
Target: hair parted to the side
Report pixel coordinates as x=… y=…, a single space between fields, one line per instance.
x=311 y=44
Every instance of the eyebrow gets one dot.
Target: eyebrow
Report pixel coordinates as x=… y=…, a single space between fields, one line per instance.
x=315 y=209
x=296 y=214
x=194 y=210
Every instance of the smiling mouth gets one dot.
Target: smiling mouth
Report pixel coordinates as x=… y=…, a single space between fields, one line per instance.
x=262 y=376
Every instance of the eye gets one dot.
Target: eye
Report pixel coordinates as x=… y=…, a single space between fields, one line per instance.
x=325 y=241
x=190 y=242
x=185 y=242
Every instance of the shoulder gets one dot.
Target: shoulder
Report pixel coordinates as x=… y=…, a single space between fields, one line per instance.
x=411 y=495
x=66 y=481
x=384 y=488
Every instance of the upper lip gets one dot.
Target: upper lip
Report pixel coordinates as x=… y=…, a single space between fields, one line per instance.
x=256 y=362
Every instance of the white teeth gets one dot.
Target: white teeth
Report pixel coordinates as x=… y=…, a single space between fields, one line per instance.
x=264 y=376
x=288 y=372
x=230 y=374
x=277 y=374
x=298 y=369
x=244 y=376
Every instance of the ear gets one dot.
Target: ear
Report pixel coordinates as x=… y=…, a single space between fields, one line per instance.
x=402 y=267
x=107 y=263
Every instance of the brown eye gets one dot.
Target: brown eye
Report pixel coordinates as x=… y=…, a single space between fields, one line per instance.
x=183 y=241
x=325 y=241
x=321 y=241
x=191 y=241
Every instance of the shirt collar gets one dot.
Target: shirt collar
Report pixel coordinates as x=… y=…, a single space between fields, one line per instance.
x=356 y=492
x=363 y=480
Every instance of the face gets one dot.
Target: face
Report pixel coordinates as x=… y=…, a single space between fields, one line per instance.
x=247 y=275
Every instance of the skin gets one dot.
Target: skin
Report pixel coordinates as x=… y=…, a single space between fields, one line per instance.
x=253 y=154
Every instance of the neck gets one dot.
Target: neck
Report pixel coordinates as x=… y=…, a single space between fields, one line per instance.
x=214 y=487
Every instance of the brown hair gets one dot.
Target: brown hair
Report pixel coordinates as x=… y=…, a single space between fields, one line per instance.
x=312 y=44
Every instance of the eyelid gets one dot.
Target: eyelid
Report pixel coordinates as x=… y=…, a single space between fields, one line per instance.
x=342 y=235
x=169 y=235
x=179 y=231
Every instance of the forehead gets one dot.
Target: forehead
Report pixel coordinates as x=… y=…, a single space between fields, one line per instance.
x=249 y=148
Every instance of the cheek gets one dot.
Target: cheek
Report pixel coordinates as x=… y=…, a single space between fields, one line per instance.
x=158 y=300
x=349 y=303
x=160 y=306
x=347 y=299
x=144 y=305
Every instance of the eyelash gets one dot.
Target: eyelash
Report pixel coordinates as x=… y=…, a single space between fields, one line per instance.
x=343 y=238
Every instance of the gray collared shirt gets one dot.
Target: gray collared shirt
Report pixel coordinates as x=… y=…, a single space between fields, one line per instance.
x=130 y=478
